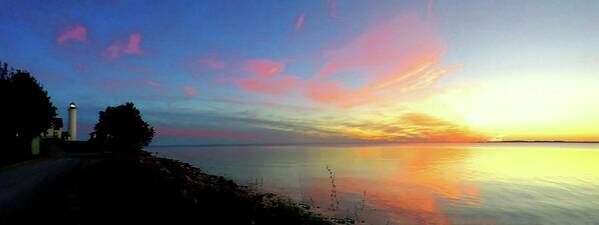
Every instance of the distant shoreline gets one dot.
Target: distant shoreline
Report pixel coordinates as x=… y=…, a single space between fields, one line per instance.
x=565 y=142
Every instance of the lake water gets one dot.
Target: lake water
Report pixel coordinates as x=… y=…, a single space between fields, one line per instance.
x=420 y=183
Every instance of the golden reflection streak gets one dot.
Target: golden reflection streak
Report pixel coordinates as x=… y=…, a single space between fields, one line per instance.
x=412 y=188
x=531 y=161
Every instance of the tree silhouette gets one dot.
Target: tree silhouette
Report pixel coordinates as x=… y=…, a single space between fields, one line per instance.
x=7 y=130
x=122 y=128
x=26 y=112
x=35 y=111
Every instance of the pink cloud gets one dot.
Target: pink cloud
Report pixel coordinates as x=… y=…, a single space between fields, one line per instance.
x=400 y=54
x=190 y=91
x=76 y=33
x=332 y=5
x=334 y=93
x=265 y=78
x=130 y=47
x=264 y=67
x=133 y=45
x=397 y=43
x=275 y=86
x=204 y=133
x=209 y=62
x=299 y=22
x=325 y=92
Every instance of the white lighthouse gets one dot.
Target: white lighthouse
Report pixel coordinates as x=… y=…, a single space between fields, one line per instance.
x=72 y=121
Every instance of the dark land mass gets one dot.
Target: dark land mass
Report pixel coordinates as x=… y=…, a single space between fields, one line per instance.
x=144 y=189
x=541 y=141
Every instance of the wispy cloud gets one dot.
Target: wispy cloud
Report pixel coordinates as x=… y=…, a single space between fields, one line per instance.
x=397 y=56
x=76 y=33
x=116 y=85
x=265 y=78
x=264 y=67
x=265 y=123
x=332 y=5
x=411 y=127
x=400 y=54
x=206 y=134
x=133 y=47
x=332 y=92
x=270 y=104
x=209 y=61
x=152 y=84
x=429 y=8
x=397 y=43
x=299 y=22
x=190 y=91
x=276 y=86
x=130 y=47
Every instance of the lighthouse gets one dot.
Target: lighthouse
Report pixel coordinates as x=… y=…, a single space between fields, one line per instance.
x=72 y=121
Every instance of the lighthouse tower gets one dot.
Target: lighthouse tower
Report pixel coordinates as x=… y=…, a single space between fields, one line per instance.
x=72 y=121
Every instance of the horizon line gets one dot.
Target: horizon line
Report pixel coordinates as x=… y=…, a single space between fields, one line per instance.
x=373 y=143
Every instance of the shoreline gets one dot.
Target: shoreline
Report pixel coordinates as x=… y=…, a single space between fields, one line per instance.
x=143 y=188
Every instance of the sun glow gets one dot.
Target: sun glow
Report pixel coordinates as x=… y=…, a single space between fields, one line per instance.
x=548 y=109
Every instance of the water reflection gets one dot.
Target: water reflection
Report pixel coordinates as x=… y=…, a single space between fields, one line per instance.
x=410 y=188
x=424 y=183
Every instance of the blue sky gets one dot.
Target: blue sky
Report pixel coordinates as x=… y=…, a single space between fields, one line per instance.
x=207 y=72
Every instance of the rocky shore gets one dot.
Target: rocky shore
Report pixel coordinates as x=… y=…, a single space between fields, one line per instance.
x=144 y=189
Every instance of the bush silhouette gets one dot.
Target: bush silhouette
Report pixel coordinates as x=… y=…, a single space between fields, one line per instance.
x=123 y=129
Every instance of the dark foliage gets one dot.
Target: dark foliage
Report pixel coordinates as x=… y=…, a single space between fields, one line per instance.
x=26 y=112
x=123 y=129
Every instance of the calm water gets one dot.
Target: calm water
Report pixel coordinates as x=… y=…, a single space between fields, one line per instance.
x=421 y=183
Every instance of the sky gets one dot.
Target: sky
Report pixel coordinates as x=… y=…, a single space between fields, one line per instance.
x=318 y=71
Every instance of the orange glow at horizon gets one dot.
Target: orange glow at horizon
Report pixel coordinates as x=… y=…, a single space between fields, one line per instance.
x=552 y=108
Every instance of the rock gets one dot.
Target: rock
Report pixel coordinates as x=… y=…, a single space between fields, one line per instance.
x=304 y=206
x=165 y=170
x=184 y=193
x=343 y=220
